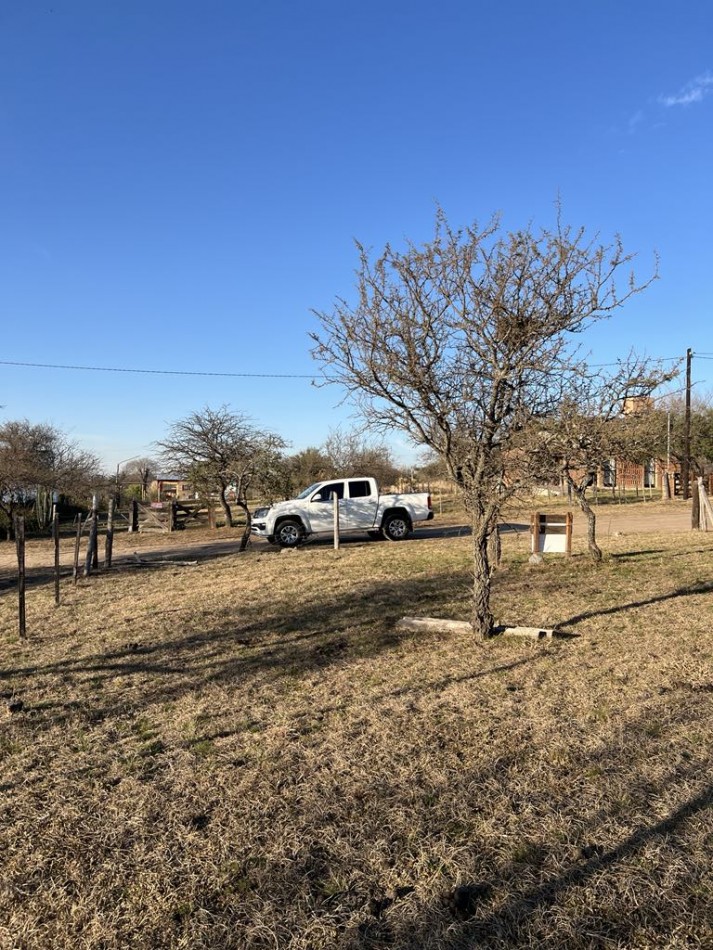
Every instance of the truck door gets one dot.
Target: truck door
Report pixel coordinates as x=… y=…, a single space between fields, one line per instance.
x=359 y=509
x=321 y=506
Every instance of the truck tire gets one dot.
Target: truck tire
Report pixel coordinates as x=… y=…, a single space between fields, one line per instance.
x=289 y=533
x=396 y=527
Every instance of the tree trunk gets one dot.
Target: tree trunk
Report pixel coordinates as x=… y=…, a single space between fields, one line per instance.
x=580 y=490
x=482 y=617
x=248 y=523
x=9 y=512
x=226 y=508
x=594 y=549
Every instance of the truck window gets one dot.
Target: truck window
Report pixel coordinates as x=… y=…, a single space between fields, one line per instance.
x=360 y=488
x=325 y=492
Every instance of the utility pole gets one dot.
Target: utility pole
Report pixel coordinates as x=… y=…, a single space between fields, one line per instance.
x=686 y=463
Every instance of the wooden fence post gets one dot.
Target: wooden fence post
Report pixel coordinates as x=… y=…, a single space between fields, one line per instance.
x=91 y=559
x=706 y=510
x=335 y=510
x=77 y=542
x=20 y=547
x=55 y=538
x=695 y=510
x=134 y=516
x=95 y=533
x=109 y=540
x=535 y=532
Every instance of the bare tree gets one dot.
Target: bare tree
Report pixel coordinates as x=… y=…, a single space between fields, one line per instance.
x=463 y=342
x=219 y=450
x=37 y=460
x=308 y=466
x=671 y=431
x=603 y=416
x=142 y=471
x=350 y=453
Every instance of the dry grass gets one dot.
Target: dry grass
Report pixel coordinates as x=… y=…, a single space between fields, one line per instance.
x=247 y=754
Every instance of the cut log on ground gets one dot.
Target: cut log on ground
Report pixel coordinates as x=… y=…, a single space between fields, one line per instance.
x=439 y=625
x=152 y=562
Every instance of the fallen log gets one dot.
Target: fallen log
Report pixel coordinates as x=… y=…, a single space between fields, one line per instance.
x=440 y=625
x=150 y=562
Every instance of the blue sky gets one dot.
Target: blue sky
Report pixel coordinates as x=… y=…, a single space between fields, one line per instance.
x=181 y=182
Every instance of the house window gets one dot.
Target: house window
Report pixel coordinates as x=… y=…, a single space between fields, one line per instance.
x=609 y=473
x=650 y=474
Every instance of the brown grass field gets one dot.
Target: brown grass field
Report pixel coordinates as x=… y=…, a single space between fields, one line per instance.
x=247 y=753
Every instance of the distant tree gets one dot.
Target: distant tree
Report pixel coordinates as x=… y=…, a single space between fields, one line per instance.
x=350 y=453
x=37 y=460
x=307 y=467
x=603 y=416
x=463 y=343
x=219 y=450
x=141 y=471
x=671 y=431
x=432 y=469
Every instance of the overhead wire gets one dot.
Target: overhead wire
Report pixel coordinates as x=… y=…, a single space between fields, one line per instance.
x=191 y=372
x=157 y=372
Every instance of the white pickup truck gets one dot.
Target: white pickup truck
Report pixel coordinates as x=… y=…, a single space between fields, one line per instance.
x=361 y=508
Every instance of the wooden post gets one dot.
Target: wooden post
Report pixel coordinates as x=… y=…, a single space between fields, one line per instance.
x=94 y=533
x=535 y=532
x=55 y=538
x=88 y=556
x=686 y=461
x=77 y=542
x=134 y=517
x=91 y=560
x=109 y=540
x=335 y=509
x=20 y=546
x=695 y=510
x=705 y=506
x=568 y=534
x=171 y=516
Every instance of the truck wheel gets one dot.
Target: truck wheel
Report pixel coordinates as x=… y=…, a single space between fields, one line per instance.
x=396 y=527
x=289 y=533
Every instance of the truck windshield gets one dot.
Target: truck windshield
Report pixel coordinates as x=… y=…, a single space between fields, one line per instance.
x=308 y=491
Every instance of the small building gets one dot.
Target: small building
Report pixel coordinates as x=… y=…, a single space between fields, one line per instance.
x=171 y=488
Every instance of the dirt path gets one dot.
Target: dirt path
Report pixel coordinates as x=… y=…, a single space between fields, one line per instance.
x=639 y=519
x=652 y=517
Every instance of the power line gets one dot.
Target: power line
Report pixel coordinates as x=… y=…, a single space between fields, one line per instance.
x=654 y=359
x=191 y=372
x=156 y=372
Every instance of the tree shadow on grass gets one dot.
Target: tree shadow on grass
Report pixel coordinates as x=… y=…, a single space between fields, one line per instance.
x=705 y=587
x=505 y=911
x=638 y=555
x=268 y=642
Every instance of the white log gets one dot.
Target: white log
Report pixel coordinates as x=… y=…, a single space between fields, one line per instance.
x=439 y=625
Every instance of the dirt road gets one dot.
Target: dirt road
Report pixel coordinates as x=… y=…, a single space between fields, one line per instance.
x=612 y=520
